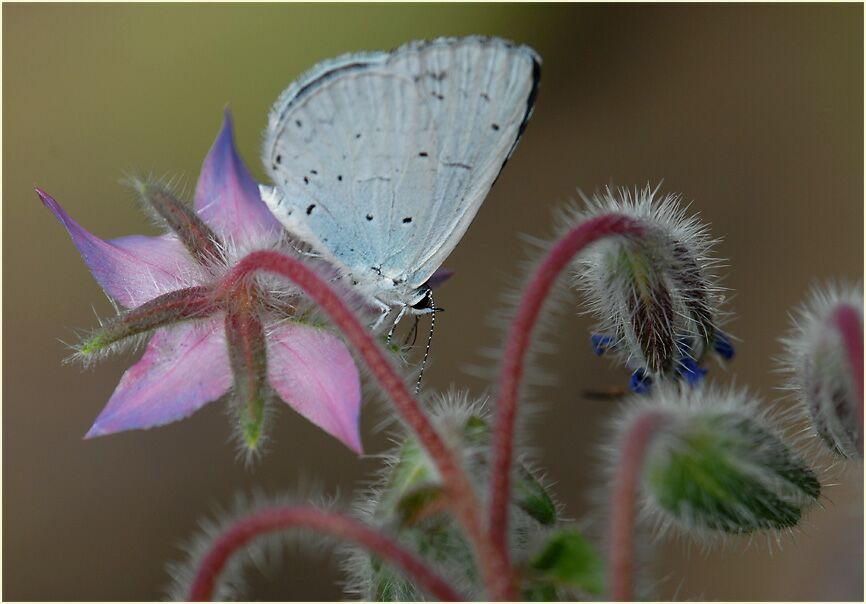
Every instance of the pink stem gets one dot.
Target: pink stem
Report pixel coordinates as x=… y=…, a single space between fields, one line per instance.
x=624 y=498
x=495 y=571
x=516 y=348
x=338 y=525
x=850 y=326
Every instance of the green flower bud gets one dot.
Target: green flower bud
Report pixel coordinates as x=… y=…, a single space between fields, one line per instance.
x=717 y=465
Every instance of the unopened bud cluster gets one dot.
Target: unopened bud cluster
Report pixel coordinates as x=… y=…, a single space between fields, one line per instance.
x=410 y=501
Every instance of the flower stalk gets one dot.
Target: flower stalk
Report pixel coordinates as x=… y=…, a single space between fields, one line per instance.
x=307 y=517
x=624 y=497
x=517 y=347
x=464 y=501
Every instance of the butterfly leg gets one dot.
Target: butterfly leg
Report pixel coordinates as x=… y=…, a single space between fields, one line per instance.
x=384 y=311
x=397 y=320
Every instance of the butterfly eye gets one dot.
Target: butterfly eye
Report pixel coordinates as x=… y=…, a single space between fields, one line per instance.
x=426 y=301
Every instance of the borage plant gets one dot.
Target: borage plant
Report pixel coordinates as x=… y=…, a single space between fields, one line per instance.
x=234 y=304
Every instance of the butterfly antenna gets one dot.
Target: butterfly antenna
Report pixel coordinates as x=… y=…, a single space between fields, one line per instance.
x=429 y=342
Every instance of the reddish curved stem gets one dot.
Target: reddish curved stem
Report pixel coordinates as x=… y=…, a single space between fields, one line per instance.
x=464 y=501
x=623 y=500
x=516 y=347
x=274 y=519
x=850 y=326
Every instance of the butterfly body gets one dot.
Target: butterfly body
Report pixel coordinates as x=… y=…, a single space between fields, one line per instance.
x=380 y=161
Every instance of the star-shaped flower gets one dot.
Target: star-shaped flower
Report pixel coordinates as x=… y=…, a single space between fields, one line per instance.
x=209 y=337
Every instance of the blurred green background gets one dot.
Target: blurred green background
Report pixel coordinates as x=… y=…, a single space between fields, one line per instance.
x=754 y=112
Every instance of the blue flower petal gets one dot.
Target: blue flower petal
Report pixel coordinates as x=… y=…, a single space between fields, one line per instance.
x=723 y=347
x=640 y=382
x=601 y=343
x=689 y=369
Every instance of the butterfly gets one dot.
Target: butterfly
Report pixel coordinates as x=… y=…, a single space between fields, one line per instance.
x=381 y=160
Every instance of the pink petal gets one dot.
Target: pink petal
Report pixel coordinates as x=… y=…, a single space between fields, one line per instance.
x=184 y=367
x=227 y=198
x=132 y=270
x=314 y=373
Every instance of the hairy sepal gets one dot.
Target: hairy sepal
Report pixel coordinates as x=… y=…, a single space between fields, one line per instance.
x=198 y=238
x=245 y=337
x=173 y=307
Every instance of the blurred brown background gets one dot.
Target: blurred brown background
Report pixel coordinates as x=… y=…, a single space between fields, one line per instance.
x=753 y=112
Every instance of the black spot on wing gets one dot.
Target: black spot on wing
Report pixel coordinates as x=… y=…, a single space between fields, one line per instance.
x=310 y=208
x=369 y=217
x=457 y=164
x=407 y=220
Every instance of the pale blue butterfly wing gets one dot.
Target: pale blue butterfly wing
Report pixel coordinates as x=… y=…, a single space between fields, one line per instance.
x=380 y=161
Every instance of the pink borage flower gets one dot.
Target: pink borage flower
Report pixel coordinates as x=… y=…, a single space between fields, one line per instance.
x=209 y=335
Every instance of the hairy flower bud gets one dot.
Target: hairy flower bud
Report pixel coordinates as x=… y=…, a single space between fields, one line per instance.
x=410 y=501
x=713 y=463
x=655 y=293
x=824 y=357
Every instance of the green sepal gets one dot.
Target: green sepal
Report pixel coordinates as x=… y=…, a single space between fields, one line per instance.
x=420 y=503
x=650 y=305
x=251 y=421
x=411 y=472
x=532 y=498
x=173 y=307
x=196 y=236
x=725 y=472
x=245 y=337
x=567 y=560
